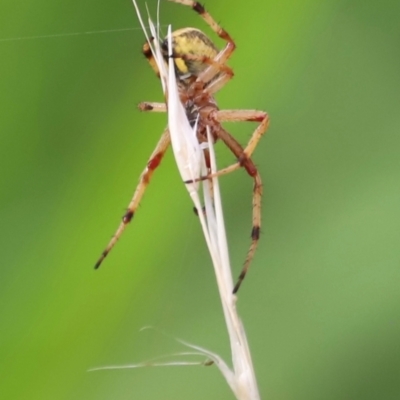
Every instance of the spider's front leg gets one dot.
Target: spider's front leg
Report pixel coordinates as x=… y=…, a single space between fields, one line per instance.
x=222 y=57
x=152 y=164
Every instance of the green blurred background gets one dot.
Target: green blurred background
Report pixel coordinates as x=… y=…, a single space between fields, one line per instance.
x=321 y=302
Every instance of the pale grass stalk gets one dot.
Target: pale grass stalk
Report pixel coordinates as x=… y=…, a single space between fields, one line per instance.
x=190 y=160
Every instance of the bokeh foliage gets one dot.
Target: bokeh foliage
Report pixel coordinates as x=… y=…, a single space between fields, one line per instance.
x=321 y=302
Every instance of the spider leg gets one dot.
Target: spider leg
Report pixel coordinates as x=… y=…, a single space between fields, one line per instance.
x=240 y=116
x=146 y=50
x=152 y=164
x=255 y=231
x=246 y=116
x=251 y=169
x=153 y=107
x=220 y=67
x=224 y=72
x=216 y=85
x=243 y=155
x=226 y=52
x=245 y=161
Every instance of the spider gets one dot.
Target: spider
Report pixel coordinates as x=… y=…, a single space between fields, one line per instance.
x=201 y=71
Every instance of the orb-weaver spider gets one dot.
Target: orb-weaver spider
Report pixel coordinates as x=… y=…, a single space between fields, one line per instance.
x=201 y=72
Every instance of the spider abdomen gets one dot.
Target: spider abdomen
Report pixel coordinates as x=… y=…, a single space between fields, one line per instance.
x=191 y=48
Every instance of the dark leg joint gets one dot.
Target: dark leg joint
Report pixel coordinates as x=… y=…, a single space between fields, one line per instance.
x=155 y=161
x=146 y=50
x=199 y=8
x=255 y=233
x=239 y=282
x=145 y=107
x=199 y=179
x=259 y=118
x=127 y=217
x=242 y=159
x=196 y=211
x=247 y=164
x=103 y=256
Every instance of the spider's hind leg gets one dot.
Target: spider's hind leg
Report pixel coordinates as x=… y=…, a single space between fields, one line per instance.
x=244 y=160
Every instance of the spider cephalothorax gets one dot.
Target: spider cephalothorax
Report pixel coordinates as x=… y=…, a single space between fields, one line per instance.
x=201 y=71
